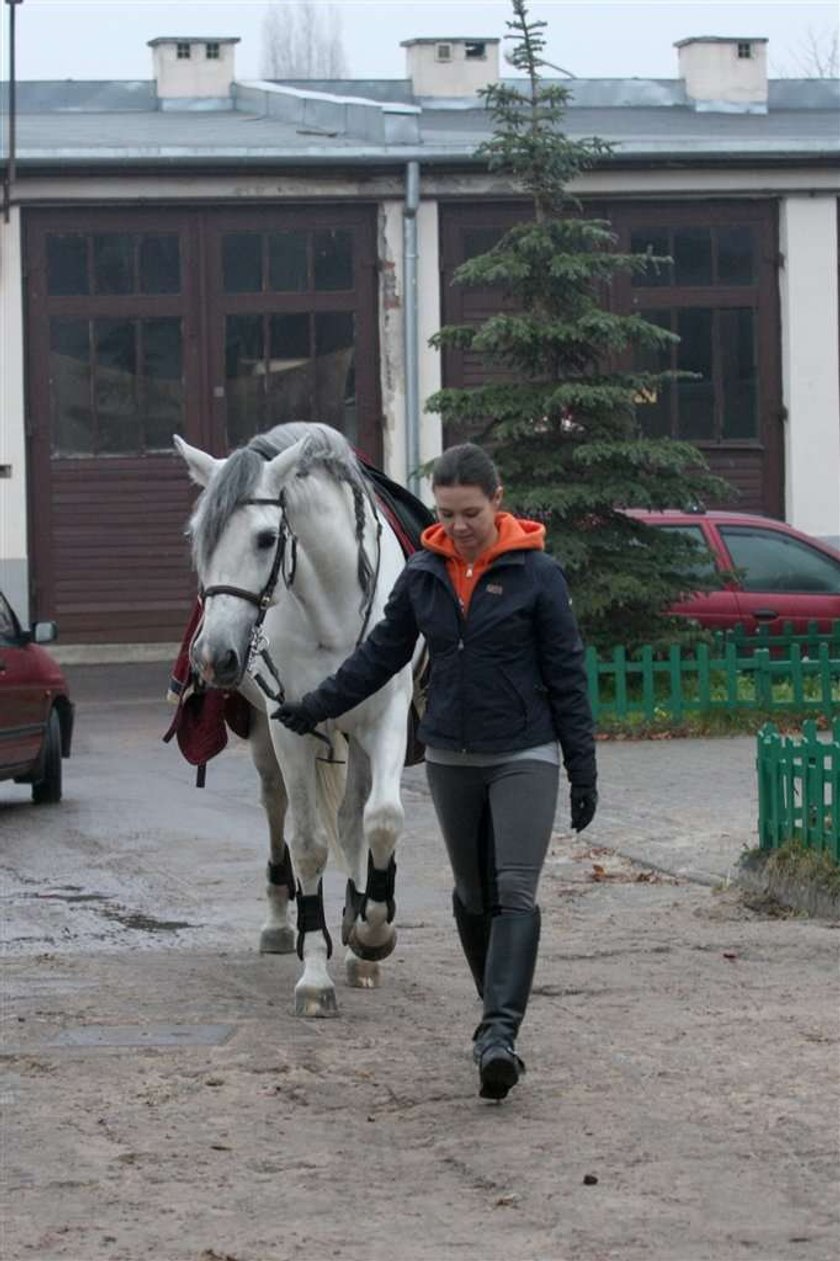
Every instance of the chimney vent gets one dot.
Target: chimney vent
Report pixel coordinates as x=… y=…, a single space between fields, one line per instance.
x=451 y=67
x=724 y=75
x=193 y=72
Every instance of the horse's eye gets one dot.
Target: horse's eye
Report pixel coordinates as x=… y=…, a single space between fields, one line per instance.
x=266 y=539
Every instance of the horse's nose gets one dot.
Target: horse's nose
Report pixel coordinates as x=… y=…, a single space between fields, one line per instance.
x=227 y=668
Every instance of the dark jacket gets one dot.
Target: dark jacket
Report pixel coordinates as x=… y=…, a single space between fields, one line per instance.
x=508 y=676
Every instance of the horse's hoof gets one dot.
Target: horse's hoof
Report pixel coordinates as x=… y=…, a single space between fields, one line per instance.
x=317 y=1003
x=362 y=974
x=277 y=941
x=372 y=951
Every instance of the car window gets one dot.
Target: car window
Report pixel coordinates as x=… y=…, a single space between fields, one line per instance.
x=9 y=629
x=771 y=561
x=704 y=563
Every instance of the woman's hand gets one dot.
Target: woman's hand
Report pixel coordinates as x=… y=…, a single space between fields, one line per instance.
x=584 y=802
x=297 y=716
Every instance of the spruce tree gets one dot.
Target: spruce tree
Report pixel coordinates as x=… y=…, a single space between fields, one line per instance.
x=564 y=424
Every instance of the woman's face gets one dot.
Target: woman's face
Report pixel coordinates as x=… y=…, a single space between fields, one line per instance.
x=469 y=517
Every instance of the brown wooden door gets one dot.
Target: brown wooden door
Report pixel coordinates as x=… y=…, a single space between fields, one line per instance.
x=145 y=323
x=720 y=295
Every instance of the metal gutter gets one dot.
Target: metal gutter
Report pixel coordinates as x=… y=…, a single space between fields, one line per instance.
x=410 y=326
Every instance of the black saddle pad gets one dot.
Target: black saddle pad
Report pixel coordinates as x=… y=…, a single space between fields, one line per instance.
x=409 y=515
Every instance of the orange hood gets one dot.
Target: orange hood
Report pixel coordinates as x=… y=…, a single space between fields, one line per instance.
x=514 y=535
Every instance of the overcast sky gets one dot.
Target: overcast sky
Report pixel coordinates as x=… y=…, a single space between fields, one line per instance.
x=106 y=39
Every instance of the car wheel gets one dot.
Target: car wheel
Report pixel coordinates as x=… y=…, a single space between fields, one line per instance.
x=48 y=789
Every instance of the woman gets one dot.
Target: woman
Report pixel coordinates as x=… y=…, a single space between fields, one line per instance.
x=507 y=683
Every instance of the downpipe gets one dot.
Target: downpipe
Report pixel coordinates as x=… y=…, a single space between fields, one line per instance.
x=411 y=326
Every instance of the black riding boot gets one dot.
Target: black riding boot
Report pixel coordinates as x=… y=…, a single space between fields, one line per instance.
x=474 y=932
x=511 y=959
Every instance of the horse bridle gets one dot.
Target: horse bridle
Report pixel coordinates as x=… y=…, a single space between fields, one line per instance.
x=258 y=647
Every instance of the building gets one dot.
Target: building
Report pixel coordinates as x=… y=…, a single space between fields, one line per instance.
x=198 y=254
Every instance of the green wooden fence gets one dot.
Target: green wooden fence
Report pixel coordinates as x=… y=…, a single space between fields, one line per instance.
x=799 y=789
x=809 y=640
x=706 y=678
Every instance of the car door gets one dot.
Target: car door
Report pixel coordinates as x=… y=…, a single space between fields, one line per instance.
x=718 y=609
x=784 y=578
x=23 y=700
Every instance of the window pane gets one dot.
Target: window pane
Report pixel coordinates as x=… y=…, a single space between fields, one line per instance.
x=738 y=373
x=653 y=242
x=653 y=409
x=704 y=563
x=72 y=414
x=333 y=259
x=163 y=385
x=115 y=389
x=335 y=381
x=160 y=264
x=287 y=262
x=242 y=262
x=693 y=256
x=695 y=399
x=9 y=632
x=245 y=377
x=67 y=264
x=774 y=562
x=736 y=251
x=478 y=241
x=291 y=374
x=113 y=263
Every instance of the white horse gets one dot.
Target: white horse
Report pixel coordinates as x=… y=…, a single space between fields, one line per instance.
x=295 y=564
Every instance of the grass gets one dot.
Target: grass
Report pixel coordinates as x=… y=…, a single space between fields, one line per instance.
x=794 y=861
x=746 y=721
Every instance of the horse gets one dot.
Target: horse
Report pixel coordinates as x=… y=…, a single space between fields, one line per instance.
x=295 y=563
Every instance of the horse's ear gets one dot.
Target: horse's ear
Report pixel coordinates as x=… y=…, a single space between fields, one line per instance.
x=281 y=466
x=201 y=465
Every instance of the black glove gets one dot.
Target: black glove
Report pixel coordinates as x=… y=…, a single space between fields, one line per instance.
x=298 y=716
x=584 y=801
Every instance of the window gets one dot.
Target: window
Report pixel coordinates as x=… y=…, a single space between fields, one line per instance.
x=443 y=52
x=116 y=384
x=9 y=629
x=288 y=262
x=744 y=51
x=772 y=561
x=720 y=403
x=475 y=51
x=183 y=51
x=115 y=263
x=700 y=256
x=212 y=51
x=703 y=564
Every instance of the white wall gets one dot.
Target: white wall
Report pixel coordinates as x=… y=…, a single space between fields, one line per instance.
x=13 y=543
x=811 y=363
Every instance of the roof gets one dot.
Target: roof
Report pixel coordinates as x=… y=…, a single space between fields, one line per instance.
x=193 y=39
x=721 y=39
x=67 y=124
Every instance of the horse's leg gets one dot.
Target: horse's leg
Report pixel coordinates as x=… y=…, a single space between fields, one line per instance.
x=278 y=933
x=314 y=791
x=373 y=935
x=361 y=973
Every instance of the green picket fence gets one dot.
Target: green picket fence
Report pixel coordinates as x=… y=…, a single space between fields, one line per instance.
x=799 y=789
x=703 y=679
x=809 y=640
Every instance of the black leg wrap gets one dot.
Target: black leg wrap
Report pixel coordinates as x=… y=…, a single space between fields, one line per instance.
x=282 y=873
x=354 y=903
x=310 y=911
x=380 y=887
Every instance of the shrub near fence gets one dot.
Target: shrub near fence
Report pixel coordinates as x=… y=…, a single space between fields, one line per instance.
x=705 y=679
x=799 y=789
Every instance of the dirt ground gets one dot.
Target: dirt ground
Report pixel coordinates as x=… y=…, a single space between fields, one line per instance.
x=161 y=1101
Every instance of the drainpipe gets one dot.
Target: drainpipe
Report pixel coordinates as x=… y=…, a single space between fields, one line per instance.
x=8 y=182
x=412 y=381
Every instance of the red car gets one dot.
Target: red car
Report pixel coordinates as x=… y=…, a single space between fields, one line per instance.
x=36 y=714
x=783 y=575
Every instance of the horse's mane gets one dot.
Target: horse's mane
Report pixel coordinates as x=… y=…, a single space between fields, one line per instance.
x=236 y=482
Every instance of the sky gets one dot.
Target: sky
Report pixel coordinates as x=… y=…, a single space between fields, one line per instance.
x=106 y=39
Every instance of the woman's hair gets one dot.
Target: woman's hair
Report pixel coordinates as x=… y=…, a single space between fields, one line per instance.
x=466 y=465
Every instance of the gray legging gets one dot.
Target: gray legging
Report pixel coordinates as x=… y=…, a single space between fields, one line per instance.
x=496 y=822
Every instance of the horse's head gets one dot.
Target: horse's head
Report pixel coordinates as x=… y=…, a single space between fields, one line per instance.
x=237 y=537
